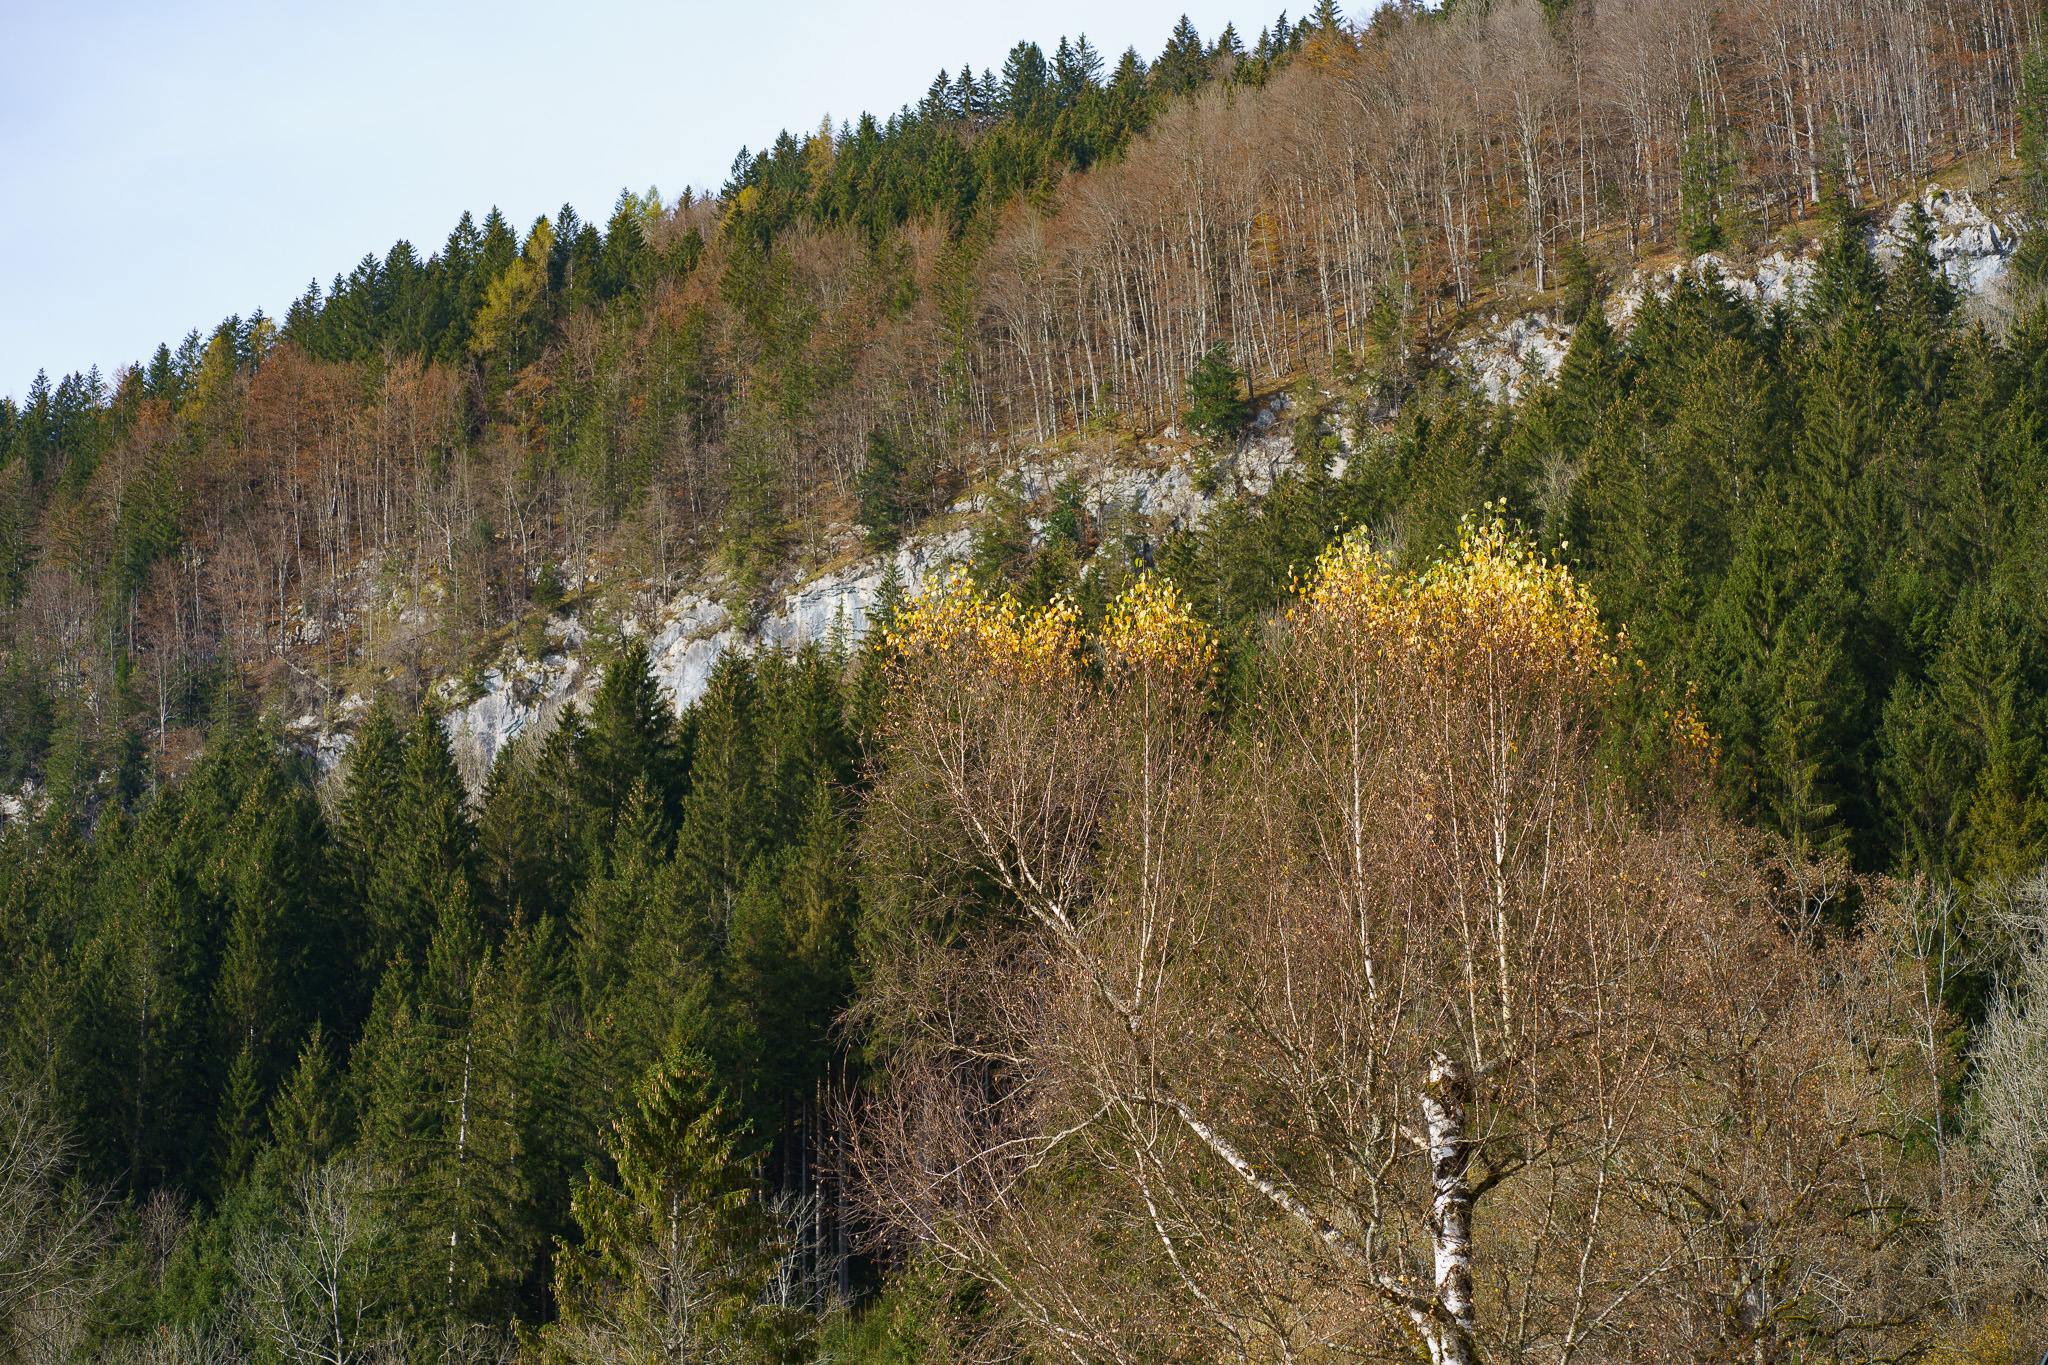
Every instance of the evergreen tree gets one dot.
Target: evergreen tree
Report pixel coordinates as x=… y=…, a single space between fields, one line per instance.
x=368 y=817
x=672 y=1260
x=135 y=1053
x=802 y=734
x=626 y=1014
x=2030 y=259
x=724 y=816
x=242 y=1104
x=631 y=740
x=1700 y=172
x=1076 y=70
x=790 y=957
x=429 y=869
x=387 y=1070
x=622 y=266
x=881 y=489
x=1217 y=405
x=309 y=1119
x=1184 y=65
x=537 y=833
x=467 y=1219
x=1844 y=406
x=1025 y=83
x=275 y=943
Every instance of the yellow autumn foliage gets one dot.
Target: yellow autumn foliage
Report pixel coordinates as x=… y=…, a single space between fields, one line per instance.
x=1495 y=603
x=511 y=300
x=1495 y=615
x=998 y=639
x=1147 y=631
x=1150 y=630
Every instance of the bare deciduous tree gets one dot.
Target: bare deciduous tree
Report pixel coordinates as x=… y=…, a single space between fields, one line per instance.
x=1376 y=1018
x=2009 y=1240
x=309 y=1283
x=49 y=1238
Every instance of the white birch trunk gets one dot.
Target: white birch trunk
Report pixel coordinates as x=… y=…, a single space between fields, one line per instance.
x=1449 y=1332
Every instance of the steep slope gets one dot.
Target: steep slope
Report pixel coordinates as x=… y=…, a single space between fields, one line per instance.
x=1142 y=494
x=703 y=387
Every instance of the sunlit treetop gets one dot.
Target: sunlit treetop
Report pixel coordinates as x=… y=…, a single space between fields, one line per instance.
x=998 y=637
x=1495 y=599
x=1149 y=630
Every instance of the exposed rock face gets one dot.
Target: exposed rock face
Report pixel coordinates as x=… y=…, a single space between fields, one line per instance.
x=525 y=697
x=1969 y=245
x=1507 y=357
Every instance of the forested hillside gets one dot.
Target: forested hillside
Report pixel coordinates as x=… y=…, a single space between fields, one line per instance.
x=1550 y=877
x=430 y=447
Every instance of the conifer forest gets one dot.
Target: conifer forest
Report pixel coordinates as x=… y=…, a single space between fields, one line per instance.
x=1545 y=868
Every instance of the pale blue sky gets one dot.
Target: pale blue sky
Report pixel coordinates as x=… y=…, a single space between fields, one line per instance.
x=163 y=165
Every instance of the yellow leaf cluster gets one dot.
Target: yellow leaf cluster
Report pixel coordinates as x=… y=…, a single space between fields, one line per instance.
x=996 y=638
x=1691 y=742
x=511 y=299
x=1496 y=596
x=1148 y=632
x=1149 y=629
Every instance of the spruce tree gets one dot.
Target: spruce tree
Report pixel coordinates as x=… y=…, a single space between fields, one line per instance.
x=631 y=741
x=802 y=733
x=368 y=815
x=1700 y=174
x=1184 y=65
x=537 y=833
x=882 y=508
x=278 y=951
x=387 y=1070
x=2008 y=812
x=242 y=1104
x=467 y=1218
x=1844 y=407
x=309 y=1119
x=672 y=1260
x=1217 y=406
x=790 y=953
x=1923 y=769
x=724 y=816
x=426 y=870
x=1025 y=82
x=611 y=917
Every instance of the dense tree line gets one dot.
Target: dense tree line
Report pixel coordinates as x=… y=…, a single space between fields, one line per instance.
x=224 y=994
x=489 y=1039
x=380 y=1064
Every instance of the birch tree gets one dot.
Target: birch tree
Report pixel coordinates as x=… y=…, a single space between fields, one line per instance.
x=310 y=1281
x=1355 y=1024
x=2008 y=1244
